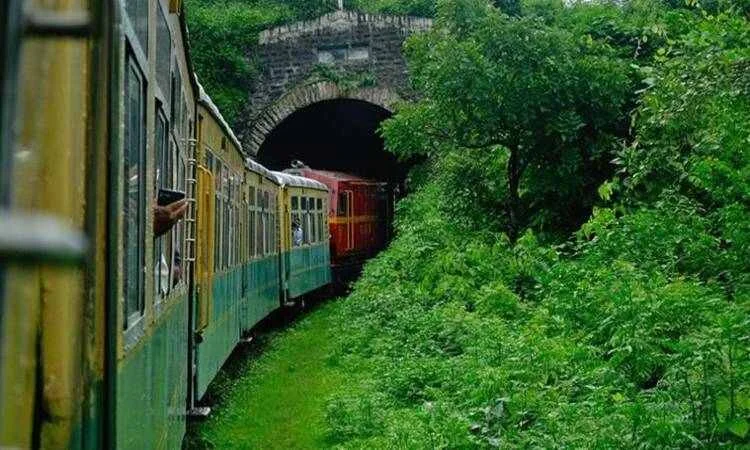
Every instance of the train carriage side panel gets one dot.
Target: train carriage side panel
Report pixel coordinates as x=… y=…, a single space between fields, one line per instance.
x=360 y=215
x=261 y=267
x=307 y=259
x=221 y=294
x=158 y=122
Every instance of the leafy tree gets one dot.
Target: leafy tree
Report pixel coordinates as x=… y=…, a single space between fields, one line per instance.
x=556 y=103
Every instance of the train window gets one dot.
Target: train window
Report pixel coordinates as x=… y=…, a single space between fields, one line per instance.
x=267 y=217
x=343 y=204
x=236 y=220
x=163 y=53
x=217 y=216
x=138 y=14
x=311 y=218
x=225 y=218
x=297 y=232
x=251 y=220
x=273 y=224
x=161 y=180
x=175 y=100
x=230 y=221
x=134 y=139
x=259 y=224
x=184 y=123
x=321 y=233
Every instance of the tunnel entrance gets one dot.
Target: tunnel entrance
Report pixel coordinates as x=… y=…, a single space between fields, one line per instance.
x=339 y=135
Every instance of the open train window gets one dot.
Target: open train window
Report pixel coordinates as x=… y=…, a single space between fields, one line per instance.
x=162 y=180
x=296 y=230
x=134 y=152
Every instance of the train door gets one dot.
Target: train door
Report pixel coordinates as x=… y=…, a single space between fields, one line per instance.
x=205 y=239
x=203 y=272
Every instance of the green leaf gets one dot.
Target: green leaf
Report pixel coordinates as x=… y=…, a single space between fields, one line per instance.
x=723 y=406
x=739 y=427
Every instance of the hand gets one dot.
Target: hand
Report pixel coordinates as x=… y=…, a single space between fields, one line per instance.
x=166 y=216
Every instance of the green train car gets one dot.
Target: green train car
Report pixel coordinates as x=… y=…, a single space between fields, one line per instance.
x=112 y=328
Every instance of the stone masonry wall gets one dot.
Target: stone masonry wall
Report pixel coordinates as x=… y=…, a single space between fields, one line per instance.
x=351 y=42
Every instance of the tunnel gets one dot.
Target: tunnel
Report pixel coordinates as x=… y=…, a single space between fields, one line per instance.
x=338 y=135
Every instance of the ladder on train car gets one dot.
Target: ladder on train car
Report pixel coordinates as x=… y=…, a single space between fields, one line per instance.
x=190 y=217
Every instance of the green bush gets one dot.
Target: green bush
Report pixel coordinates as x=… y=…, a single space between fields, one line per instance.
x=630 y=333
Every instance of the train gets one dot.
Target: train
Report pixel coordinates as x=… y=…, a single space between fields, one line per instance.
x=360 y=217
x=113 y=325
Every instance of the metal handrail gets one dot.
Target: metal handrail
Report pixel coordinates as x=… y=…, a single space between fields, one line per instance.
x=41 y=23
x=39 y=239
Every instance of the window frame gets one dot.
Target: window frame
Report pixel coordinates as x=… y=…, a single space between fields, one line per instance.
x=252 y=244
x=171 y=64
x=296 y=203
x=131 y=319
x=161 y=173
x=312 y=231
x=342 y=204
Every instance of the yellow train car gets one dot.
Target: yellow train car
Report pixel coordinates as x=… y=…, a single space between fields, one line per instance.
x=305 y=251
x=237 y=282
x=111 y=325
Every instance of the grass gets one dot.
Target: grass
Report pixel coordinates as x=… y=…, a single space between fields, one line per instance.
x=273 y=395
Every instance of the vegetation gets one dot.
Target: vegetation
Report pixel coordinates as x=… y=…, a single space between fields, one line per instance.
x=275 y=401
x=484 y=324
x=571 y=268
x=224 y=36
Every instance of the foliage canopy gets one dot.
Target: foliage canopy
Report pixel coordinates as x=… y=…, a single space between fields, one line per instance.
x=571 y=267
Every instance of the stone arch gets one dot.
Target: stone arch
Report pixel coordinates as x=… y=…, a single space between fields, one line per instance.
x=306 y=95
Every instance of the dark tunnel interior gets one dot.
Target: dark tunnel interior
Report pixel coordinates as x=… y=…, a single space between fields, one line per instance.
x=336 y=135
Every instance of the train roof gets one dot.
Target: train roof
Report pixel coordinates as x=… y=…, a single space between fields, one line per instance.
x=337 y=176
x=287 y=179
x=258 y=168
x=206 y=101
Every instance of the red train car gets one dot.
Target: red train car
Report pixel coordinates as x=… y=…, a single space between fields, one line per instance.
x=360 y=217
